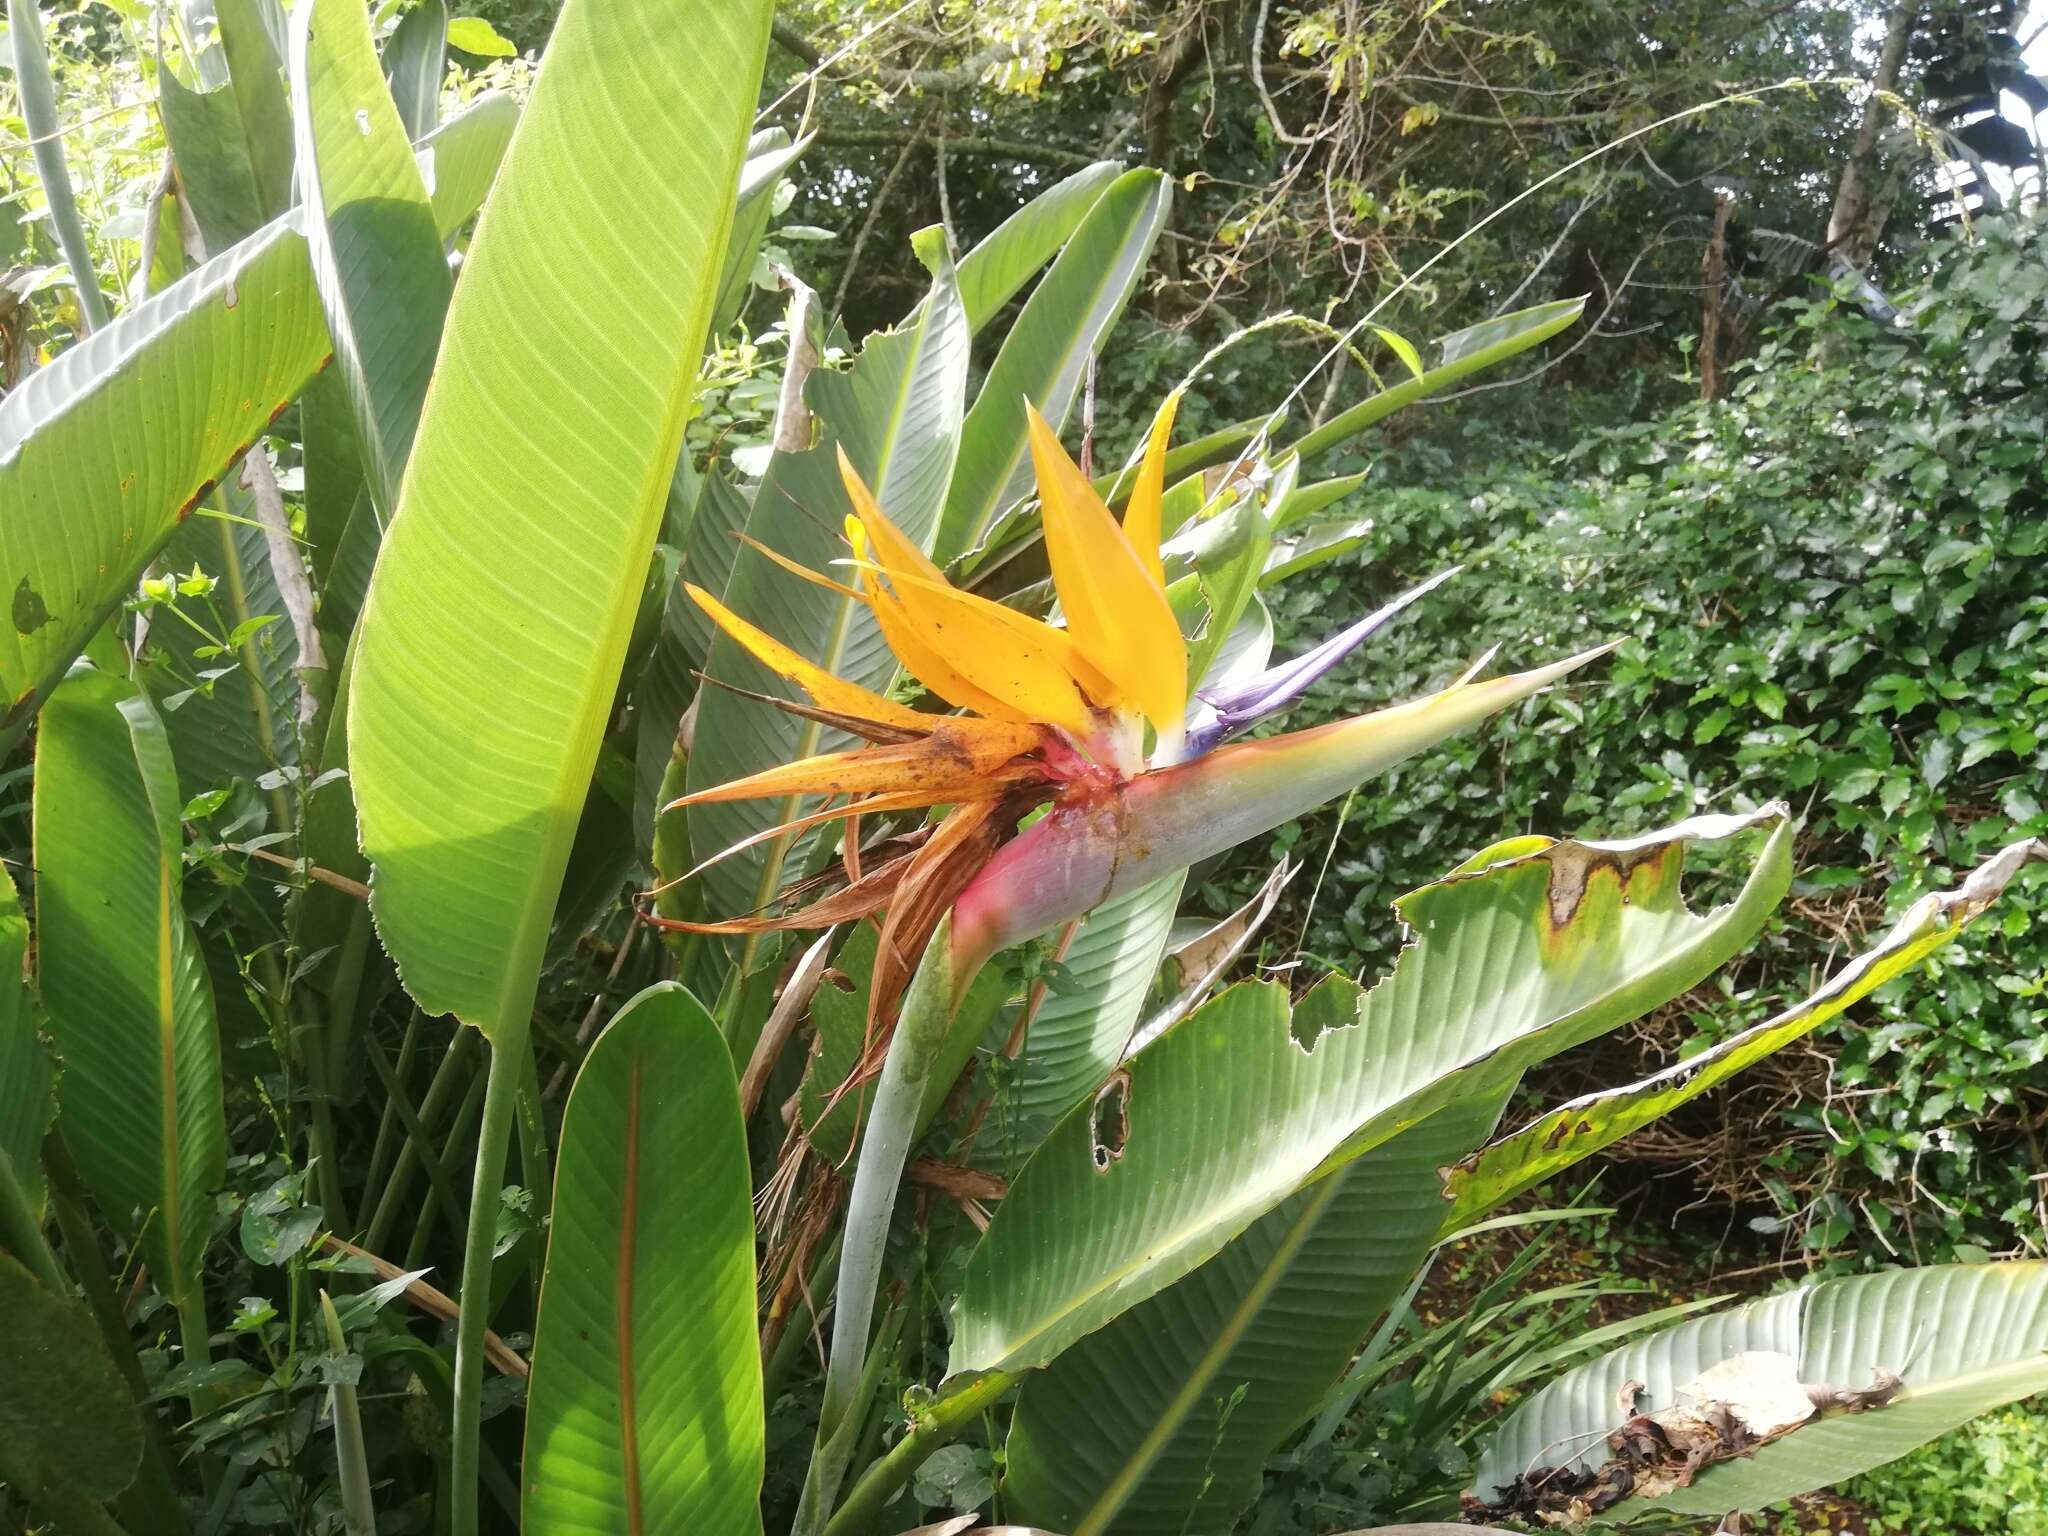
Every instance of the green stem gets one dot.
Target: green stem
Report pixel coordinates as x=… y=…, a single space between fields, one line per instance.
x=458 y=1133
x=533 y=1134
x=38 y=92
x=21 y=1232
x=387 y=1122
x=197 y=1340
x=422 y=1142
x=439 y=1092
x=326 y=1150
x=493 y=1141
x=919 y=1037
x=797 y=1327
x=941 y=1424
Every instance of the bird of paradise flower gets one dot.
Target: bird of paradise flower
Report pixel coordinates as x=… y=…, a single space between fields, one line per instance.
x=1092 y=719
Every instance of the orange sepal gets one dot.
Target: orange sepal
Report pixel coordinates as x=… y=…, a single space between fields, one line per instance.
x=961 y=759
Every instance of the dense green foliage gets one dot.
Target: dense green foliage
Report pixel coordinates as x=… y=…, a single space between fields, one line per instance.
x=1986 y=1479
x=1830 y=585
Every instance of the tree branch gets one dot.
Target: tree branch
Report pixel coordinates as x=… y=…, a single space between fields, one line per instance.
x=955 y=77
x=998 y=149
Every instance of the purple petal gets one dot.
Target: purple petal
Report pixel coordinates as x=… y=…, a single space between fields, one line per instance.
x=1282 y=685
x=1089 y=851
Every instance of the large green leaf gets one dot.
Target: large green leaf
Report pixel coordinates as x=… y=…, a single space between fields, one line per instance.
x=1084 y=1024
x=106 y=451
x=1127 y=1430
x=769 y=154
x=25 y=1067
x=415 y=61
x=126 y=989
x=1046 y=352
x=1530 y=947
x=897 y=416
x=645 y=1409
x=1458 y=354
x=998 y=267
x=207 y=140
x=259 y=97
x=1560 y=1138
x=503 y=601
x=69 y=1431
x=1967 y=1338
x=377 y=259
x=242 y=723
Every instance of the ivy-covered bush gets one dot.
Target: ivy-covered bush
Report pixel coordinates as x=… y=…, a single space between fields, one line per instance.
x=1989 y=1477
x=1831 y=586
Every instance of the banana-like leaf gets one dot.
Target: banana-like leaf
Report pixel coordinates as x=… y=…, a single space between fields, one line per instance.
x=1530 y=947
x=1163 y=1421
x=995 y=270
x=207 y=140
x=1083 y=1026
x=37 y=91
x=499 y=615
x=26 y=1071
x=69 y=1431
x=1304 y=502
x=1560 y=1138
x=1967 y=1338
x=1458 y=354
x=106 y=451
x=645 y=1408
x=897 y=415
x=125 y=986
x=1309 y=546
x=242 y=723
x=1043 y=358
x=1196 y=964
x=769 y=154
x=377 y=260
x=415 y=62
x=259 y=98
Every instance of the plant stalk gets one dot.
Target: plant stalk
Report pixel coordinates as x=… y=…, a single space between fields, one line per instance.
x=493 y=1141
x=381 y=1151
x=885 y=1145
x=942 y=1424
x=38 y=91
x=418 y=1146
x=21 y=1233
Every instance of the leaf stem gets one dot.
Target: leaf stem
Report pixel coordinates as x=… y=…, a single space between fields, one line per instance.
x=885 y=1145
x=381 y=1151
x=939 y=1425
x=22 y=1234
x=419 y=1146
x=493 y=1141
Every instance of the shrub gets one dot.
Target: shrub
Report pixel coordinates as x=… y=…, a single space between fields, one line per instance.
x=1830 y=587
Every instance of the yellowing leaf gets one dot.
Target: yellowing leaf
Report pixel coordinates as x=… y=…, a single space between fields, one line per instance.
x=472 y=34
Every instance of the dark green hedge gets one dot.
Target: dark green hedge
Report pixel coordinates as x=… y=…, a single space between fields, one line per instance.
x=1834 y=590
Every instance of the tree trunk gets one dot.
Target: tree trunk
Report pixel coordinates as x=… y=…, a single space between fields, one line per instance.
x=1857 y=220
x=1156 y=124
x=1716 y=264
